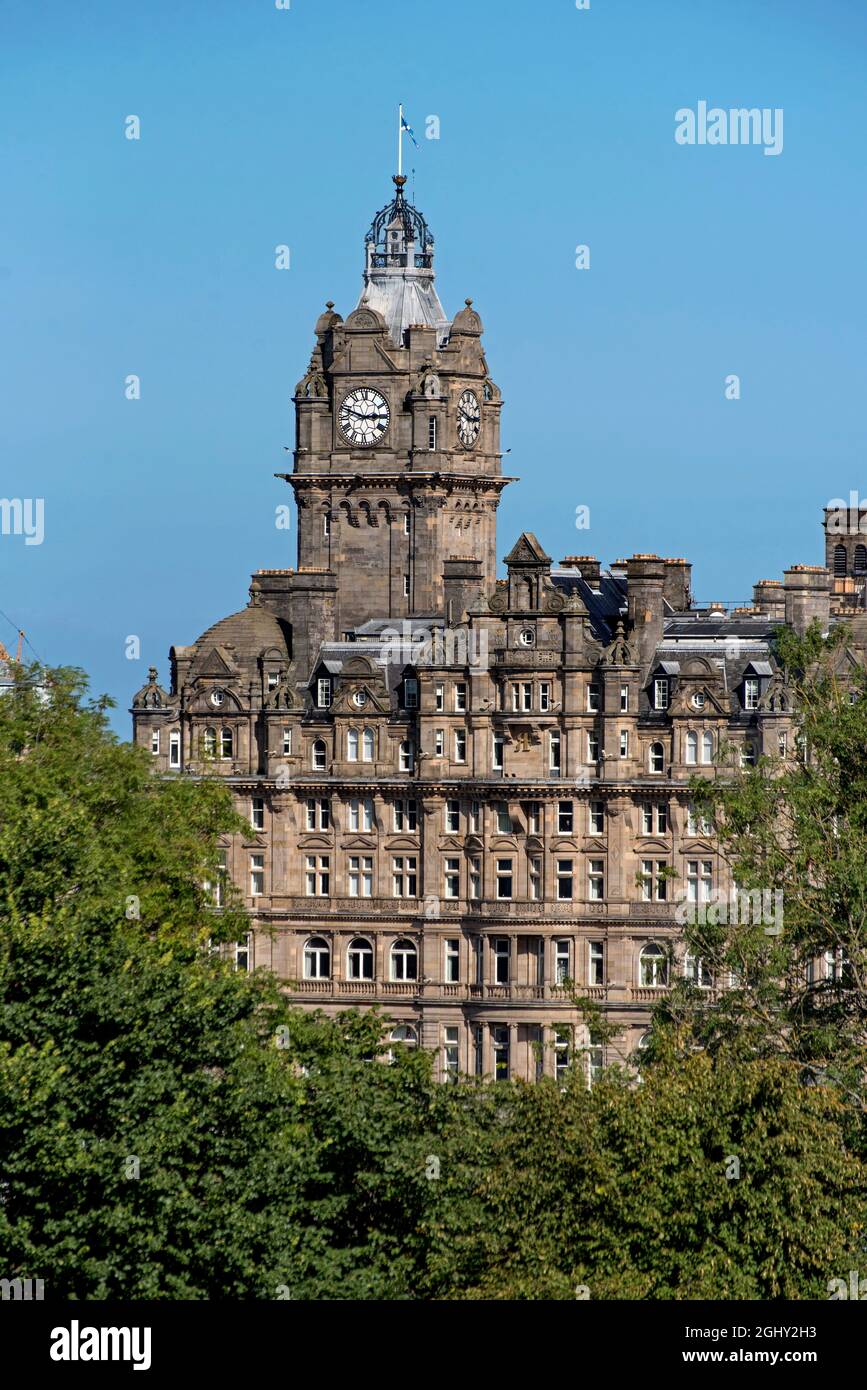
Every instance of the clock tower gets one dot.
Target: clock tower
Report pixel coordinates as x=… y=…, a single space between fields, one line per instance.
x=397 y=466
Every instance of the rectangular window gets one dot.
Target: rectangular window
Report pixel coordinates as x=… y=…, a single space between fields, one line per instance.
x=554 y=752
x=500 y=1045
x=326 y=525
x=562 y=1049
x=500 y=946
x=432 y=432
x=564 y=818
x=592 y=748
x=317 y=875
x=452 y=878
x=660 y=693
x=219 y=888
x=478 y=1049
x=475 y=879
x=699 y=880
x=406 y=586
x=624 y=699
x=525 y=697
x=504 y=878
x=451 y=1057
x=593 y=698
x=287 y=742
x=534 y=817
x=497 y=752
x=323 y=692
x=624 y=743
x=783 y=744
x=410 y=693
x=460 y=696
x=155 y=740
x=653 y=881
x=405 y=876
x=564 y=879
x=535 y=875
x=174 y=749
x=562 y=971
x=504 y=818
x=360 y=875
x=440 y=743
x=596 y=821
x=475 y=817
x=243 y=953
x=406 y=757
x=654 y=816
x=405 y=815
x=751 y=693
x=545 y=696
x=697 y=823
x=596 y=961
x=453 y=817
x=453 y=961
x=439 y=696
x=273 y=680
x=318 y=814
x=460 y=746
x=596 y=880
x=406 y=523
x=257 y=875
x=257 y=813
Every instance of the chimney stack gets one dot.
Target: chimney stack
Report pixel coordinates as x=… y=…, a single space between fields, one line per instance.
x=587 y=565
x=769 y=597
x=678 y=584
x=645 y=576
x=807 y=596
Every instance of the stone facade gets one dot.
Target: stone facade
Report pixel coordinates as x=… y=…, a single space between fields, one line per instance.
x=465 y=791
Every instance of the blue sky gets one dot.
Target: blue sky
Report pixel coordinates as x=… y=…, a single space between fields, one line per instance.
x=262 y=126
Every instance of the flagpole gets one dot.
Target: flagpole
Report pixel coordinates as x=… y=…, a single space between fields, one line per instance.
x=400 y=139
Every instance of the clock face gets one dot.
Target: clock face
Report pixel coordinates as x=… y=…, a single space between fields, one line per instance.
x=469 y=419
x=363 y=416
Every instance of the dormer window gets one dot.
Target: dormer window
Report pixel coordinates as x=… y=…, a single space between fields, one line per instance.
x=323 y=692
x=410 y=693
x=751 y=692
x=273 y=680
x=661 y=692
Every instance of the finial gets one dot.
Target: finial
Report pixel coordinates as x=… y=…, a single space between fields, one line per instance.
x=329 y=303
x=152 y=675
x=399 y=179
x=468 y=303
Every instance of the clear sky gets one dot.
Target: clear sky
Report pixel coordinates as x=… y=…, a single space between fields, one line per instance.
x=262 y=126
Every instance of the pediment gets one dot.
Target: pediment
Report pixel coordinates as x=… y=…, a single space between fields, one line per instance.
x=255 y=842
x=595 y=845
x=311 y=840
x=527 y=551
x=714 y=703
x=697 y=846
x=559 y=844
x=450 y=842
x=343 y=702
x=215 y=662
x=535 y=842
x=359 y=842
x=474 y=842
x=504 y=842
x=651 y=844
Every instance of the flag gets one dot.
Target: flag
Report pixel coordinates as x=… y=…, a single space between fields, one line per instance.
x=405 y=125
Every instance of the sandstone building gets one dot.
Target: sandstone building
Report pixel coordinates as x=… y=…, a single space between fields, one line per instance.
x=464 y=791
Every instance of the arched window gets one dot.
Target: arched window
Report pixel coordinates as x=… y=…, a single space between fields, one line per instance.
x=861 y=559
x=707 y=747
x=319 y=755
x=657 y=757
x=653 y=967
x=226 y=743
x=404 y=961
x=644 y=1041
x=352 y=745
x=209 y=743
x=692 y=747
x=317 y=959
x=839 y=561
x=359 y=959
x=367 y=746
x=404 y=1033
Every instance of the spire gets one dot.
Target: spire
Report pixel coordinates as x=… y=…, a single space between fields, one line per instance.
x=398 y=272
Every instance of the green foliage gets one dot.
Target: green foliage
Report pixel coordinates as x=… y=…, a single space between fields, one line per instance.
x=170 y=1128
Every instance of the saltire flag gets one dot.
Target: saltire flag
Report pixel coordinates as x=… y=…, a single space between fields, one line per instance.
x=405 y=125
